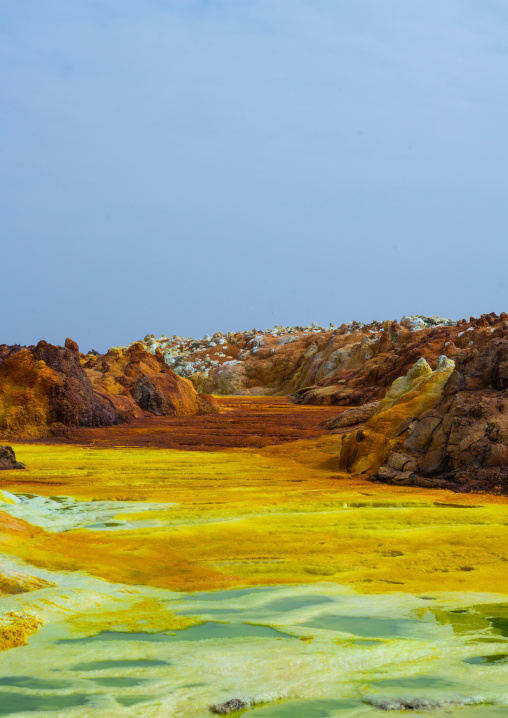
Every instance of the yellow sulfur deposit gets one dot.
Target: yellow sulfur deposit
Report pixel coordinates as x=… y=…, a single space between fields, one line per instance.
x=15 y=627
x=238 y=518
x=409 y=396
x=169 y=581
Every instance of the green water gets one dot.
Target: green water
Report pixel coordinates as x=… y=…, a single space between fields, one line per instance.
x=492 y=617
x=228 y=594
x=425 y=687
x=293 y=603
x=362 y=625
x=34 y=683
x=493 y=658
x=305 y=709
x=128 y=701
x=101 y=665
x=500 y=625
x=118 y=682
x=279 y=605
x=202 y=632
x=496 y=615
x=463 y=621
x=352 y=647
x=417 y=683
x=18 y=703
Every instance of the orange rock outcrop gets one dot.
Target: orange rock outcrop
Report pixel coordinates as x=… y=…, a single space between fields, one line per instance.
x=136 y=381
x=45 y=387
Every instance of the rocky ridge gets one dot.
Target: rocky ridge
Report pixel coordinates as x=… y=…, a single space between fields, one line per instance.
x=422 y=420
x=437 y=428
x=48 y=388
x=407 y=415
x=45 y=385
x=350 y=365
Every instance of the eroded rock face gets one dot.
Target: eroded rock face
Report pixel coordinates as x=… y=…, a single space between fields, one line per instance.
x=356 y=368
x=8 y=459
x=462 y=442
x=45 y=386
x=72 y=401
x=136 y=381
x=350 y=365
x=413 y=395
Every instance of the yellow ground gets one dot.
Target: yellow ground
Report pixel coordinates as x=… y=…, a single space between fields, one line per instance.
x=15 y=628
x=245 y=518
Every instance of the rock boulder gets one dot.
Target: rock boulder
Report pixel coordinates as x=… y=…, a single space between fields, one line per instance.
x=352 y=417
x=8 y=459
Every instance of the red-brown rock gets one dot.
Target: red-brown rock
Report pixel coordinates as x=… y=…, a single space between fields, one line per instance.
x=73 y=401
x=136 y=381
x=8 y=459
x=462 y=443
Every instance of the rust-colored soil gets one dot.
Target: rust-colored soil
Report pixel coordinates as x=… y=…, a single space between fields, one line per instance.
x=243 y=422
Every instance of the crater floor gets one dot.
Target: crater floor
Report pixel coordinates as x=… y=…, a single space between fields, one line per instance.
x=168 y=579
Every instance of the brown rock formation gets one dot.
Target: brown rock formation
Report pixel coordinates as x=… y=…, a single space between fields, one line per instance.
x=349 y=366
x=231 y=706
x=352 y=417
x=136 y=381
x=461 y=443
x=73 y=401
x=44 y=386
x=368 y=363
x=8 y=459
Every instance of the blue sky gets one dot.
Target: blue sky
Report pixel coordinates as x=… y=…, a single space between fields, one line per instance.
x=185 y=167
